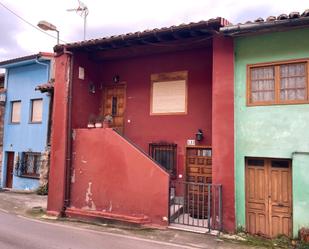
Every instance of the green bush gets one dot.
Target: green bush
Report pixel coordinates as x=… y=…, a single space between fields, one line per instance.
x=42 y=190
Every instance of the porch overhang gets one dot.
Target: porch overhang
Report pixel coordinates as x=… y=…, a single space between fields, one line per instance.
x=184 y=36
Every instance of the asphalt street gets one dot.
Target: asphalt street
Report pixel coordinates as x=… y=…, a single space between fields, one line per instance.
x=22 y=233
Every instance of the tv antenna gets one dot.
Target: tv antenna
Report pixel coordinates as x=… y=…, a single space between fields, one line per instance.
x=83 y=11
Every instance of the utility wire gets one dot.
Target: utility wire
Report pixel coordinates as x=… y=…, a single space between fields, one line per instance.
x=29 y=23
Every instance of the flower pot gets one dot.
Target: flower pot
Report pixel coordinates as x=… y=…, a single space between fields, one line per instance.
x=106 y=124
x=98 y=125
x=90 y=125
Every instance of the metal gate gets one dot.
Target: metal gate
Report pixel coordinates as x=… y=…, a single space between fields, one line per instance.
x=196 y=204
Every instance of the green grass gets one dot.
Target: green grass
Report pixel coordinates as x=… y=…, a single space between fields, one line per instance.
x=279 y=242
x=258 y=241
x=303 y=245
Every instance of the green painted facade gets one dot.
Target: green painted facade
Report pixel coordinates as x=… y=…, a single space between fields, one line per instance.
x=276 y=131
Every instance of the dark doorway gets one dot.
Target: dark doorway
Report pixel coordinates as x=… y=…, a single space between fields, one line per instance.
x=9 y=169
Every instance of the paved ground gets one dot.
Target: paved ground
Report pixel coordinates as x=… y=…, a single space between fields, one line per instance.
x=21 y=202
x=20 y=233
x=23 y=233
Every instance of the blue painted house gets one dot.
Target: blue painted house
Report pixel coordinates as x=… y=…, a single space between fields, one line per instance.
x=26 y=120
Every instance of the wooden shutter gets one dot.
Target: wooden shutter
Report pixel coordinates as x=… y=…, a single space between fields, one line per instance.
x=169 y=93
x=16 y=108
x=37 y=108
x=169 y=97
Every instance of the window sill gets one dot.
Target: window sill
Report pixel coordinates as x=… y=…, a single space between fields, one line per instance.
x=167 y=113
x=40 y=122
x=278 y=103
x=14 y=123
x=30 y=177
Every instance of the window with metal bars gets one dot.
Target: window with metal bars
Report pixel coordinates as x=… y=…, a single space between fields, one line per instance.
x=31 y=163
x=164 y=154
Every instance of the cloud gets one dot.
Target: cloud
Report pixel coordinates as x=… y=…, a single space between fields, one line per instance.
x=117 y=17
x=8 y=45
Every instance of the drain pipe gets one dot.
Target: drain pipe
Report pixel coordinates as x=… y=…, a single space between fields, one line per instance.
x=68 y=163
x=44 y=64
x=300 y=153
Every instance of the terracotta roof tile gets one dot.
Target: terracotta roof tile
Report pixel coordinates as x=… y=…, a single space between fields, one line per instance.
x=46 y=87
x=271 y=23
x=294 y=15
x=306 y=13
x=271 y=19
x=282 y=17
x=211 y=23
x=260 y=19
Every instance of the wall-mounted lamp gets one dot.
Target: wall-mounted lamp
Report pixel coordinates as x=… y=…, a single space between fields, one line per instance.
x=199 y=135
x=116 y=79
x=91 y=87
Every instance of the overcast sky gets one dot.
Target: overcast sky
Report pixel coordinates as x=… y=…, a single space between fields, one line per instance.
x=119 y=16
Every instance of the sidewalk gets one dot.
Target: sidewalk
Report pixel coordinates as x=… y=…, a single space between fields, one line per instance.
x=27 y=204
x=18 y=202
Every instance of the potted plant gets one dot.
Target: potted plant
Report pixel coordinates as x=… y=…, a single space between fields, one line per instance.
x=91 y=121
x=108 y=119
x=99 y=121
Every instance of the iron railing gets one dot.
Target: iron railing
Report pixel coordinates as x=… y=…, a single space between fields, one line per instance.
x=28 y=164
x=196 y=204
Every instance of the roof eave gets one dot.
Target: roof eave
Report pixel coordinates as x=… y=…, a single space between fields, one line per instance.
x=263 y=27
x=211 y=25
x=25 y=60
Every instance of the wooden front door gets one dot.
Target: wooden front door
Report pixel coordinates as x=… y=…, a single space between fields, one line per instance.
x=9 y=169
x=269 y=197
x=198 y=170
x=114 y=105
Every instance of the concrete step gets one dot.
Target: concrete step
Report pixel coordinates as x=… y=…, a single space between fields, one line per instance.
x=193 y=229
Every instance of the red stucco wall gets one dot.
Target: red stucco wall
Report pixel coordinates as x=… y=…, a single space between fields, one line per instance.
x=85 y=102
x=144 y=128
x=203 y=101
x=112 y=176
x=223 y=126
x=59 y=136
